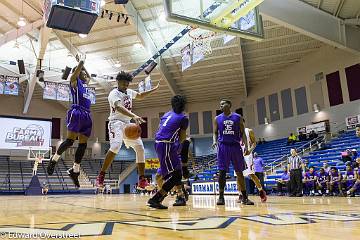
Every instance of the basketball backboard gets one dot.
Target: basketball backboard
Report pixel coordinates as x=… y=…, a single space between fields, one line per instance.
x=232 y=17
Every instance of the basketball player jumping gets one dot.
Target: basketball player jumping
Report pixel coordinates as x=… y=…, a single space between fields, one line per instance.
x=120 y=100
x=249 y=160
x=171 y=132
x=228 y=132
x=79 y=123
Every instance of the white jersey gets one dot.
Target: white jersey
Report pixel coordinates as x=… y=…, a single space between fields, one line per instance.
x=125 y=100
x=247 y=133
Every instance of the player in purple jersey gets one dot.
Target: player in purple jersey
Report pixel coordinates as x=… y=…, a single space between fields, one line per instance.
x=351 y=191
x=349 y=178
x=309 y=181
x=229 y=130
x=79 y=122
x=321 y=181
x=335 y=181
x=171 y=133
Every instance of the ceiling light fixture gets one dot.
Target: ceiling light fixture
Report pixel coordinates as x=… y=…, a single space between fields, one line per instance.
x=82 y=35
x=21 y=22
x=138 y=45
x=117 y=64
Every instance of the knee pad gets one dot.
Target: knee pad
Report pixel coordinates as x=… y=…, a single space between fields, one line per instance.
x=140 y=153
x=65 y=145
x=115 y=147
x=69 y=142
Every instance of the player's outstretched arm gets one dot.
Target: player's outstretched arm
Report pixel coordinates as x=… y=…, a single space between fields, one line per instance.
x=76 y=73
x=121 y=109
x=141 y=96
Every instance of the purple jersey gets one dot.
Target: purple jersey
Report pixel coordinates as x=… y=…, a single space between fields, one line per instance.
x=170 y=125
x=322 y=176
x=309 y=175
x=334 y=176
x=229 y=128
x=80 y=95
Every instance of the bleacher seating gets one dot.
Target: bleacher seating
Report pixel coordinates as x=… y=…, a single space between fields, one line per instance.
x=92 y=167
x=270 y=151
x=347 y=140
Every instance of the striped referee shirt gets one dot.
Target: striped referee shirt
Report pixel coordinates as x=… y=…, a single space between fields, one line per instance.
x=295 y=162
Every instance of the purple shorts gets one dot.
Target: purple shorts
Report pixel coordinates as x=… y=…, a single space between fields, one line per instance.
x=230 y=153
x=168 y=157
x=79 y=120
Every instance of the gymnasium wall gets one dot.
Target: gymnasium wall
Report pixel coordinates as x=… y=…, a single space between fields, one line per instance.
x=298 y=91
x=286 y=99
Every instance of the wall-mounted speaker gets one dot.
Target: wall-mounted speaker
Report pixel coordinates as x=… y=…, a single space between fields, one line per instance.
x=21 y=66
x=150 y=67
x=66 y=73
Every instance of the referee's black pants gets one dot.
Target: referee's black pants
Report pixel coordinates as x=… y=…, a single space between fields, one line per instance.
x=296 y=182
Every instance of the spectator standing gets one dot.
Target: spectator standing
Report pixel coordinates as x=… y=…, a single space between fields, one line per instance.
x=259 y=168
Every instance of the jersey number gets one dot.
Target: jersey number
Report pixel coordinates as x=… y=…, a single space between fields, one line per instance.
x=166 y=121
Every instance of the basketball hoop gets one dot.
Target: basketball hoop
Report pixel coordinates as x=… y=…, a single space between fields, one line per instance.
x=39 y=155
x=201 y=39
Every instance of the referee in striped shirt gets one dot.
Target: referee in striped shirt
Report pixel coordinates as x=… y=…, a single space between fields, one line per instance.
x=295 y=166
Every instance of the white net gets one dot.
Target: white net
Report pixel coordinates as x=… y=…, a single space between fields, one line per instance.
x=39 y=155
x=201 y=40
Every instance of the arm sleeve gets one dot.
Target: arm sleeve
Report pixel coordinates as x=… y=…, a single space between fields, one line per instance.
x=184 y=123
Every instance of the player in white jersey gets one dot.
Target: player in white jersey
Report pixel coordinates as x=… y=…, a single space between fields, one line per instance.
x=120 y=100
x=249 y=160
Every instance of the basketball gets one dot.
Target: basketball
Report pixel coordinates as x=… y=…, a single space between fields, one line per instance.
x=132 y=131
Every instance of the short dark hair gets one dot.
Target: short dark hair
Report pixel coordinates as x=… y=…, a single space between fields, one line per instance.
x=228 y=101
x=178 y=103
x=124 y=76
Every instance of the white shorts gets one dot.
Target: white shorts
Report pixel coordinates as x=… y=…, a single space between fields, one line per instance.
x=117 y=137
x=249 y=160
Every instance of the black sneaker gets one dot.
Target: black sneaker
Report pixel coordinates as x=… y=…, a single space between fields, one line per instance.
x=155 y=204
x=220 y=201
x=239 y=199
x=247 y=201
x=180 y=201
x=51 y=167
x=74 y=177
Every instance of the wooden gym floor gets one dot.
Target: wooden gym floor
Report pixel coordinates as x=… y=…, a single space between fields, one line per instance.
x=127 y=217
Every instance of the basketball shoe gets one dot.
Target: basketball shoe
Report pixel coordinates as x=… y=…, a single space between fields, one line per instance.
x=221 y=201
x=74 y=177
x=156 y=204
x=180 y=201
x=51 y=166
x=142 y=183
x=262 y=194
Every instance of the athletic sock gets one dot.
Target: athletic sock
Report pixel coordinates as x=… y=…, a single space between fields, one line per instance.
x=76 y=167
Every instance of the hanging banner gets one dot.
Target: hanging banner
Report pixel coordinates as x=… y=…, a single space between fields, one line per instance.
x=50 y=89
x=11 y=86
x=63 y=92
x=186 y=57
x=2 y=84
